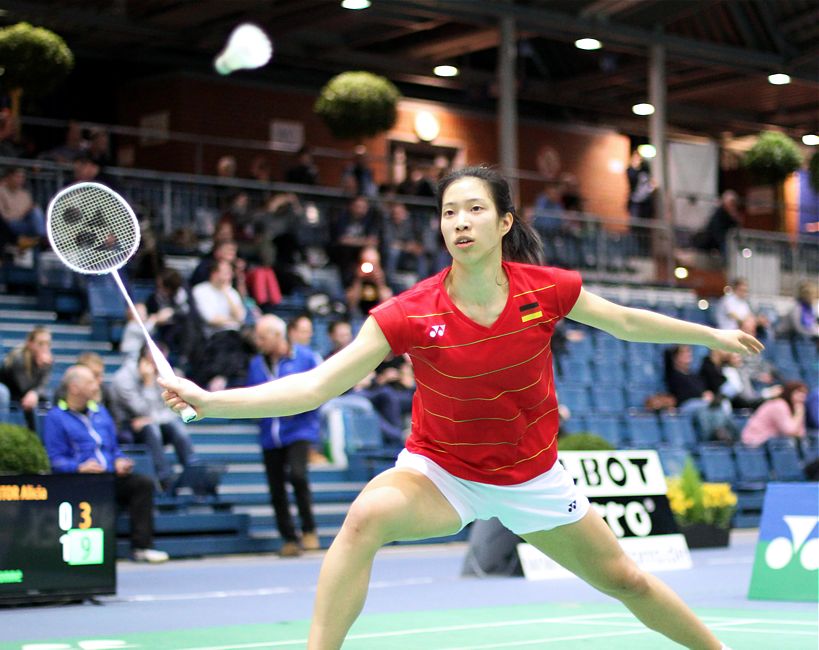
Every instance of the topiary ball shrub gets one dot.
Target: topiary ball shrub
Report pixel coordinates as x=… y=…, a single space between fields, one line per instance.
x=773 y=157
x=33 y=58
x=357 y=105
x=21 y=451
x=583 y=442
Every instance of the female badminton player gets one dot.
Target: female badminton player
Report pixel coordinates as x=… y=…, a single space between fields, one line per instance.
x=484 y=423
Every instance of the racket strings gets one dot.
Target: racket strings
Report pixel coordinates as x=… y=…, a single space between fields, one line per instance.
x=92 y=229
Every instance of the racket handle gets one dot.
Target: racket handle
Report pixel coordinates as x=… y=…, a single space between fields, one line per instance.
x=188 y=414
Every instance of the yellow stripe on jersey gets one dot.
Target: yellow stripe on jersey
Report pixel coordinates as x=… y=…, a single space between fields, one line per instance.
x=483 y=374
x=483 y=340
x=515 y=417
x=523 y=293
x=485 y=399
x=443 y=313
x=523 y=460
x=528 y=317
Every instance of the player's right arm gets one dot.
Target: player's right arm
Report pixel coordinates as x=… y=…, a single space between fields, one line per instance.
x=291 y=394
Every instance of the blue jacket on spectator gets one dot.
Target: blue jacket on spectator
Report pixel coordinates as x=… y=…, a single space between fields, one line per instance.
x=281 y=432
x=72 y=438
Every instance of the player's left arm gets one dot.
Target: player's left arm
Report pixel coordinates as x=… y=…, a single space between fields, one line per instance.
x=631 y=324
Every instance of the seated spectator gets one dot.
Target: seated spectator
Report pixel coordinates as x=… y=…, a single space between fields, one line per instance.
x=17 y=207
x=222 y=360
x=99 y=146
x=801 y=321
x=358 y=176
x=286 y=441
x=417 y=183
x=141 y=415
x=783 y=417
x=340 y=333
x=300 y=331
x=711 y=371
x=356 y=227
x=733 y=308
x=73 y=147
x=96 y=365
x=182 y=331
x=760 y=372
x=722 y=221
x=26 y=372
x=305 y=171
x=79 y=436
x=402 y=237
x=369 y=286
x=132 y=337
x=223 y=250
x=739 y=386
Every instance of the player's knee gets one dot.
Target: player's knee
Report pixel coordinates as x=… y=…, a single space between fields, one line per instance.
x=367 y=523
x=625 y=582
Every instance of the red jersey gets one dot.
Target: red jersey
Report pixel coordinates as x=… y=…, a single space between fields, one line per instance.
x=485 y=407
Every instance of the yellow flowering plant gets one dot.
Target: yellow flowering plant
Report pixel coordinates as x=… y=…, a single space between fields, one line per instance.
x=695 y=502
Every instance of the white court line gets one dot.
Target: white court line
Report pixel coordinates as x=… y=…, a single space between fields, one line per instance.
x=576 y=637
x=272 y=591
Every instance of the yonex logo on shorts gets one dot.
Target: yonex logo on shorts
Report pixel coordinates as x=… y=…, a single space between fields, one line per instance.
x=573 y=506
x=437 y=330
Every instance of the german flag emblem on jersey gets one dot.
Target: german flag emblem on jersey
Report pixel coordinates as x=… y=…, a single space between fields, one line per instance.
x=529 y=312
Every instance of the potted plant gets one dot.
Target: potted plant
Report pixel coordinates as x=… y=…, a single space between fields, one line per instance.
x=357 y=105
x=21 y=451
x=583 y=442
x=703 y=511
x=771 y=160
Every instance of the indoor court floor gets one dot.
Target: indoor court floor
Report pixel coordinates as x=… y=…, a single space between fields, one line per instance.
x=418 y=601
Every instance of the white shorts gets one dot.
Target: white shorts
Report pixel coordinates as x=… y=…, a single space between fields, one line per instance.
x=542 y=503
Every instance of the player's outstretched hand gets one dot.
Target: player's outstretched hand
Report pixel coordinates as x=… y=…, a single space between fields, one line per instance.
x=180 y=393
x=737 y=341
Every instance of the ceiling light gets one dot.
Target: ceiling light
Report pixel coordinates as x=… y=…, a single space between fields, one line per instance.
x=779 y=79
x=355 y=4
x=446 y=70
x=703 y=304
x=681 y=273
x=647 y=150
x=810 y=139
x=427 y=126
x=588 y=44
x=642 y=109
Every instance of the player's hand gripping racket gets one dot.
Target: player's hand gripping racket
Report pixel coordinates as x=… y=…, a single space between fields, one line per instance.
x=94 y=231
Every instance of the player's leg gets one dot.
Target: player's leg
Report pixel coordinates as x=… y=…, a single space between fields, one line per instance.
x=590 y=550
x=400 y=504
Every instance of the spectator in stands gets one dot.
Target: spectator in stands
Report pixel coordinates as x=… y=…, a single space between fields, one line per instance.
x=801 y=321
x=340 y=333
x=355 y=228
x=226 y=167
x=80 y=436
x=11 y=243
x=733 y=308
x=27 y=372
x=133 y=339
x=641 y=188
x=739 y=386
x=182 y=331
x=142 y=417
x=94 y=362
x=687 y=387
x=223 y=251
x=222 y=361
x=723 y=220
x=711 y=371
x=484 y=358
x=17 y=207
x=783 y=417
x=369 y=286
x=417 y=183
x=300 y=330
x=358 y=177
x=73 y=147
x=99 y=146
x=762 y=373
x=812 y=410
x=286 y=441
x=305 y=171
x=402 y=242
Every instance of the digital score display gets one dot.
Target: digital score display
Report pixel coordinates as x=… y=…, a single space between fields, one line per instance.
x=57 y=537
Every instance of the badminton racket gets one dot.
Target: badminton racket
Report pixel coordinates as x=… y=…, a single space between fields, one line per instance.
x=94 y=231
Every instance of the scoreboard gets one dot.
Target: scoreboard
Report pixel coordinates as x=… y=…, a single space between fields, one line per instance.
x=57 y=537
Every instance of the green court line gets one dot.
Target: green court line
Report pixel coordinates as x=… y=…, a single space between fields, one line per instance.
x=567 y=626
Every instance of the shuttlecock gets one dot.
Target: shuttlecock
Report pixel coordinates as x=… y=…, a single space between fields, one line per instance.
x=248 y=47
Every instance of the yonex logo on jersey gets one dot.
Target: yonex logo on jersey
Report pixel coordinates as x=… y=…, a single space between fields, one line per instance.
x=437 y=330
x=573 y=506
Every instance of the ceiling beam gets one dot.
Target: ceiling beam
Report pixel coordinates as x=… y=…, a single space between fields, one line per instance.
x=454 y=46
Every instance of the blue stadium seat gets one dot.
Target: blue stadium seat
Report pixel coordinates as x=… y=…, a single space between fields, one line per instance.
x=643 y=431
x=608 y=399
x=581 y=349
x=672 y=459
x=643 y=372
x=809 y=446
x=606 y=345
x=785 y=460
x=576 y=398
x=678 y=430
x=717 y=464
x=606 y=426
x=752 y=465
x=608 y=370
x=636 y=394
x=577 y=371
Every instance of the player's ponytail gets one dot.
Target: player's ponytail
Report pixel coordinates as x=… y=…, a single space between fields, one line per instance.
x=522 y=243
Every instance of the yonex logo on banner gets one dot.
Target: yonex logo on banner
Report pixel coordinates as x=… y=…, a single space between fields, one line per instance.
x=437 y=330
x=782 y=550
